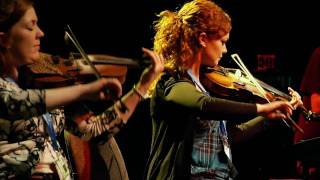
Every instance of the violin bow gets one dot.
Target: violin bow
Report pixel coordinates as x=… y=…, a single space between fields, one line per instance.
x=240 y=63
x=69 y=35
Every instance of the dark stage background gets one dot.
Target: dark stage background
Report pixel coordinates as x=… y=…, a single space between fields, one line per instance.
x=273 y=38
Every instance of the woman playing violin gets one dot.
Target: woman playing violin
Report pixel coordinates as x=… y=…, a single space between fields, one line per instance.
x=189 y=138
x=31 y=119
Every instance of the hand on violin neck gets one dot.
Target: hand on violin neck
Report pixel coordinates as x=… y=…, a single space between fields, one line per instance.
x=296 y=98
x=102 y=89
x=275 y=110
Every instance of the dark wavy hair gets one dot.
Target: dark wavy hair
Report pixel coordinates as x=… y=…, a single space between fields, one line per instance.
x=11 y=12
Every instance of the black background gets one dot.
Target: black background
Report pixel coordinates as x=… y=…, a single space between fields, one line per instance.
x=288 y=29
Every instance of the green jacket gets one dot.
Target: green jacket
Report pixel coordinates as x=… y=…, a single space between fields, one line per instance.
x=175 y=105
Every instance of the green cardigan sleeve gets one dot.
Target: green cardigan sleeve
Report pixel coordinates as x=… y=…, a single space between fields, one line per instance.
x=184 y=93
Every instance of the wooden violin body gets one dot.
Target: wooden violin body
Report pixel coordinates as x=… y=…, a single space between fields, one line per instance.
x=232 y=84
x=53 y=71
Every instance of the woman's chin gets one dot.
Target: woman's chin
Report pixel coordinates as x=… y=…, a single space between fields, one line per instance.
x=30 y=61
x=35 y=57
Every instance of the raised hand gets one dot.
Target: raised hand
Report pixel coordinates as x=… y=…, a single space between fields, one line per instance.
x=152 y=72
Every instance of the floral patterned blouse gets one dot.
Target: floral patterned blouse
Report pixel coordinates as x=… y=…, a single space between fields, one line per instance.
x=23 y=131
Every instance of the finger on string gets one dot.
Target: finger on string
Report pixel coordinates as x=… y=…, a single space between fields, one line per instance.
x=293 y=92
x=290 y=89
x=150 y=54
x=161 y=58
x=287 y=105
x=287 y=115
x=146 y=52
x=158 y=56
x=280 y=115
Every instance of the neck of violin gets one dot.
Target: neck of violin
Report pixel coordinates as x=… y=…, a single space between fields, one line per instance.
x=273 y=90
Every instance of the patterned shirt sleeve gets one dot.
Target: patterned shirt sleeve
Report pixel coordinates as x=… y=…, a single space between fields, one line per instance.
x=16 y=103
x=86 y=124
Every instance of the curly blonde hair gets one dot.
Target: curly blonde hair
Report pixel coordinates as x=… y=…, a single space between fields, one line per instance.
x=177 y=32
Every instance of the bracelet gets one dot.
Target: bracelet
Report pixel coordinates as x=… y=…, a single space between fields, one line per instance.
x=135 y=90
x=122 y=107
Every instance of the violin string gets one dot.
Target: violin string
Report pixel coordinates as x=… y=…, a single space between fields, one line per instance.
x=264 y=85
x=274 y=90
x=238 y=61
x=83 y=54
x=288 y=98
x=43 y=62
x=55 y=69
x=108 y=91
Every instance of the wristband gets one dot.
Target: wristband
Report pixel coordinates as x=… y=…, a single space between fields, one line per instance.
x=135 y=90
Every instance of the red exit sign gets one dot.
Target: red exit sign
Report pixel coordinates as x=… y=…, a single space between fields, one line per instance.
x=265 y=62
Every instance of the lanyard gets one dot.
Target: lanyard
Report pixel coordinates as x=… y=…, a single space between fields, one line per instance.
x=48 y=121
x=223 y=128
x=9 y=79
x=222 y=125
x=197 y=82
x=51 y=131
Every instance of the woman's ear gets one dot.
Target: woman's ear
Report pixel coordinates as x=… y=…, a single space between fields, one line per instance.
x=2 y=39
x=203 y=39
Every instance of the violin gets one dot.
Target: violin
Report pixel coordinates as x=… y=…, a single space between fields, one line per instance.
x=232 y=84
x=51 y=71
